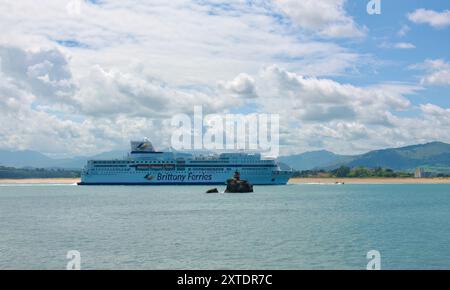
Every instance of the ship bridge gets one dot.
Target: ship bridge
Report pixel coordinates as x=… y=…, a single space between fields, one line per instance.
x=145 y=150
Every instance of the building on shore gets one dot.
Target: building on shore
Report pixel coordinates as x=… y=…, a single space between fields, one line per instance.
x=418 y=173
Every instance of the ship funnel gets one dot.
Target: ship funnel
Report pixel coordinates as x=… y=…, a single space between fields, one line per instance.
x=142 y=146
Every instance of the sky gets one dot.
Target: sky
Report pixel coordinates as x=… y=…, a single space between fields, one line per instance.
x=84 y=77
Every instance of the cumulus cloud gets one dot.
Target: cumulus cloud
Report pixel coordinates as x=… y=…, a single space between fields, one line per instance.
x=290 y=90
x=26 y=120
x=431 y=17
x=183 y=42
x=436 y=111
x=111 y=106
x=112 y=92
x=242 y=85
x=328 y=17
x=44 y=72
x=105 y=107
x=437 y=72
x=323 y=113
x=88 y=83
x=91 y=79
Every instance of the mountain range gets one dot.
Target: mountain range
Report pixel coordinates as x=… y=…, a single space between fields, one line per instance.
x=34 y=159
x=434 y=156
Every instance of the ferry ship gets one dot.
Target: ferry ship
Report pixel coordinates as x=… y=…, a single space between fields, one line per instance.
x=146 y=166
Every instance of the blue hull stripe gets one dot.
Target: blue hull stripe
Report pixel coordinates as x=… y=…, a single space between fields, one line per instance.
x=166 y=183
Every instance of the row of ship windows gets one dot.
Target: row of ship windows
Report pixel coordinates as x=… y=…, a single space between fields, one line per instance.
x=112 y=172
x=133 y=162
x=172 y=162
x=221 y=161
x=179 y=169
x=105 y=167
x=110 y=166
x=125 y=166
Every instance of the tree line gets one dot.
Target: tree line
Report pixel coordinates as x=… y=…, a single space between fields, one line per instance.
x=356 y=172
x=18 y=173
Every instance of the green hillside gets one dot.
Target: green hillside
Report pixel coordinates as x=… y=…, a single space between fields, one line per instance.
x=432 y=157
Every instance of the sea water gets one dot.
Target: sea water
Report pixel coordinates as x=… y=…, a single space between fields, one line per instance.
x=296 y=226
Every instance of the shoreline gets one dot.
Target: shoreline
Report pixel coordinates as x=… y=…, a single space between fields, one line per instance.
x=373 y=180
x=39 y=181
x=292 y=180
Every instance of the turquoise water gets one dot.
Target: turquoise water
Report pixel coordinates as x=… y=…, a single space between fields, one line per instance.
x=278 y=227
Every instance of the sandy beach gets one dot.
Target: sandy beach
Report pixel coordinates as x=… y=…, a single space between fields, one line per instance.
x=372 y=180
x=40 y=181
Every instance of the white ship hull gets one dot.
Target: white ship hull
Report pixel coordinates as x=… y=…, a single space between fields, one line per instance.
x=145 y=166
x=183 y=178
